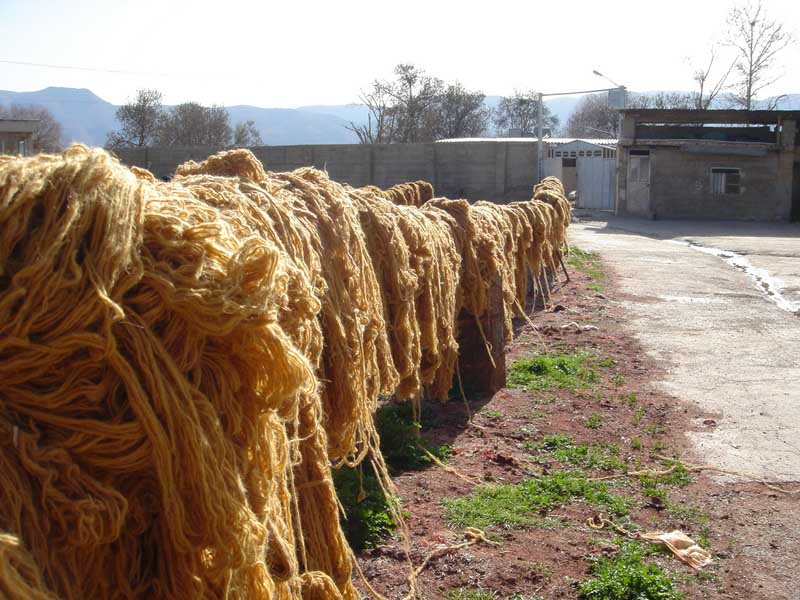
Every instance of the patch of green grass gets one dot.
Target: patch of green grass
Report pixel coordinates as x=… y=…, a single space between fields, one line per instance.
x=653 y=485
x=631 y=399
x=545 y=400
x=594 y=421
x=618 y=379
x=626 y=576
x=401 y=445
x=596 y=456
x=520 y=504
x=367 y=519
x=587 y=263
x=492 y=414
x=687 y=513
x=472 y=594
x=551 y=371
x=657 y=493
x=636 y=444
x=680 y=476
x=702 y=537
x=606 y=362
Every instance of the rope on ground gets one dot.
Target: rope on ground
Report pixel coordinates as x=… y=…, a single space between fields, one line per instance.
x=775 y=486
x=447 y=467
x=682 y=546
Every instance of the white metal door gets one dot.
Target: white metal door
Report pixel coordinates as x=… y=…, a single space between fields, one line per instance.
x=596 y=182
x=639 y=181
x=551 y=167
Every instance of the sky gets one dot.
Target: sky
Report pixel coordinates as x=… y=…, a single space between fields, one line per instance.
x=301 y=52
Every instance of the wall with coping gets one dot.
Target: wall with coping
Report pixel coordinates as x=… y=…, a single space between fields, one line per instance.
x=499 y=171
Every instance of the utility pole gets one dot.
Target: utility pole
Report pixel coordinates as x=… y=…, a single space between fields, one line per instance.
x=539 y=130
x=540 y=124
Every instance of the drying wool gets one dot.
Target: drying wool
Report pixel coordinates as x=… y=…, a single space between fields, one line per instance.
x=415 y=193
x=145 y=383
x=181 y=363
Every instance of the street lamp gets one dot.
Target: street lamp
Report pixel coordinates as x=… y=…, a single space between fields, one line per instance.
x=599 y=74
x=620 y=100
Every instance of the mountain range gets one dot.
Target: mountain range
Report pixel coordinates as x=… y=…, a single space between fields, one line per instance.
x=87 y=118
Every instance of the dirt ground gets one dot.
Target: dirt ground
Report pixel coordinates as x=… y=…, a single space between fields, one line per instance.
x=748 y=526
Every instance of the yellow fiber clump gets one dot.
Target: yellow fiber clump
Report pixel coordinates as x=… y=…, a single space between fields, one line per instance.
x=181 y=363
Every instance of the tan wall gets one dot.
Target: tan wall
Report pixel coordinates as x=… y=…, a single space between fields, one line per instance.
x=499 y=171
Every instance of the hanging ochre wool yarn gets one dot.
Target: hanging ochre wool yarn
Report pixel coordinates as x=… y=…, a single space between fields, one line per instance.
x=143 y=375
x=182 y=362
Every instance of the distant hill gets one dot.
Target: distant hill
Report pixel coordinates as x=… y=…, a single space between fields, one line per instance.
x=84 y=117
x=87 y=118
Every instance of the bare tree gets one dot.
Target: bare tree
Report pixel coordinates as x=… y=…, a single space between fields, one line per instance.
x=661 y=100
x=48 y=135
x=417 y=107
x=460 y=113
x=191 y=124
x=520 y=112
x=709 y=88
x=381 y=117
x=245 y=134
x=593 y=118
x=415 y=95
x=757 y=41
x=218 y=124
x=139 y=121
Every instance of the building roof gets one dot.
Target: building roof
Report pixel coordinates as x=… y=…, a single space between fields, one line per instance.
x=533 y=140
x=18 y=125
x=751 y=117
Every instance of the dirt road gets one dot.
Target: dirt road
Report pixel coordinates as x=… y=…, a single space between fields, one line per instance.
x=704 y=300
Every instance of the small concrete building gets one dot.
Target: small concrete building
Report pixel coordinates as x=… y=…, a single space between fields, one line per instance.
x=714 y=164
x=586 y=167
x=16 y=136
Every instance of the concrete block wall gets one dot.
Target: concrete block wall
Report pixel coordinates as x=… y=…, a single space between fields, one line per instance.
x=681 y=186
x=498 y=171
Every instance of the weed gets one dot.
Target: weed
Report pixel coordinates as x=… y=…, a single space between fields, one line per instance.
x=563 y=449
x=636 y=444
x=555 y=442
x=654 y=429
x=618 y=379
x=679 y=476
x=367 y=520
x=687 y=513
x=639 y=415
x=660 y=445
x=652 y=491
x=587 y=263
x=606 y=362
x=652 y=485
x=474 y=594
x=401 y=445
x=594 y=421
x=626 y=576
x=541 y=571
x=492 y=414
x=631 y=399
x=550 y=371
x=516 y=504
x=546 y=400
x=702 y=538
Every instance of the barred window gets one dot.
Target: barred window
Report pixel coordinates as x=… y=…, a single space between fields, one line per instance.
x=725 y=181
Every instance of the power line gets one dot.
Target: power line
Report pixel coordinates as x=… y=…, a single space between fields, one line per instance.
x=77 y=68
